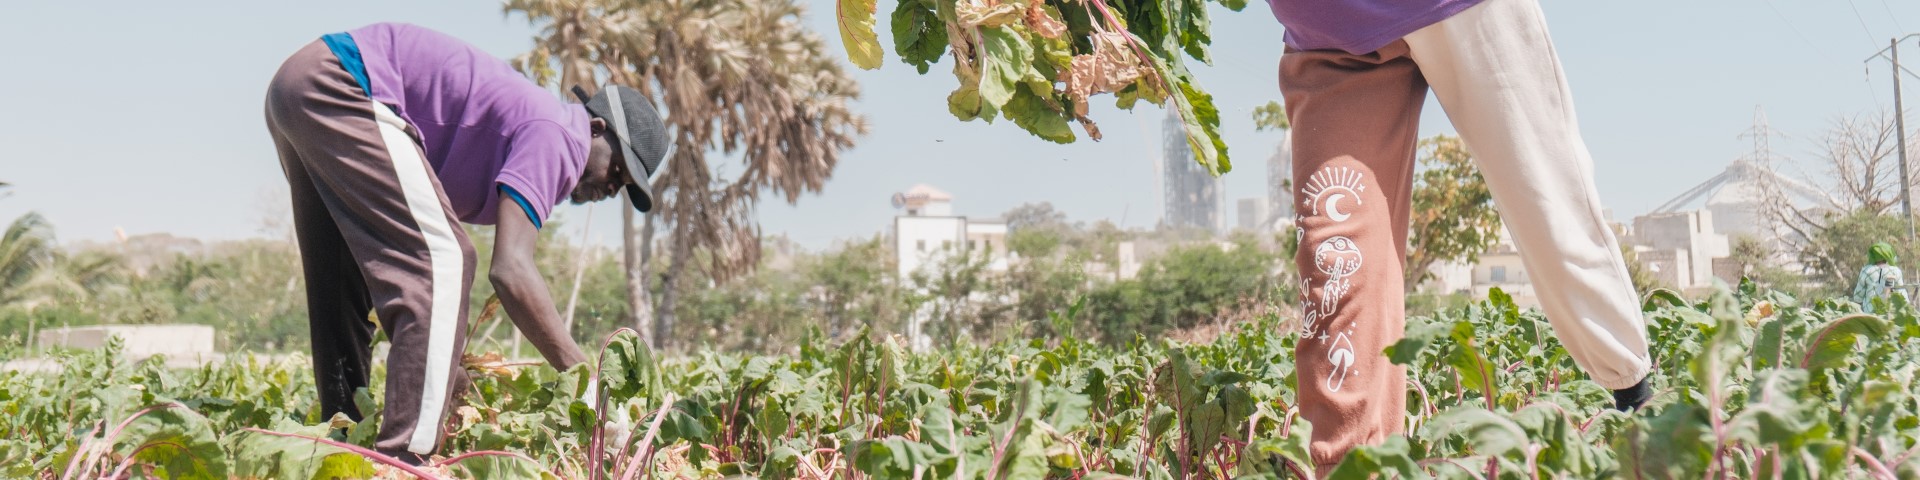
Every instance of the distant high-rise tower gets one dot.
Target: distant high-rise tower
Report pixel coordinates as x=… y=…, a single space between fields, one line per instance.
x=1280 y=183
x=1252 y=213
x=1190 y=197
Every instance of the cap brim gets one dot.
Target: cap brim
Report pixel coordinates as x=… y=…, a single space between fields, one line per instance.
x=641 y=190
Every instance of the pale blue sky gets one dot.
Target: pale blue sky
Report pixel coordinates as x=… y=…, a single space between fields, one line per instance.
x=147 y=115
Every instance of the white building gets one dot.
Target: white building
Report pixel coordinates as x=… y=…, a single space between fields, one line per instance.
x=927 y=235
x=1498 y=267
x=1680 y=248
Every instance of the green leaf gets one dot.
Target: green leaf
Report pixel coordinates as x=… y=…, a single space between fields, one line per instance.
x=1290 y=449
x=1174 y=383
x=259 y=455
x=1476 y=373
x=1223 y=377
x=1038 y=117
x=965 y=104
x=1778 y=416
x=628 y=370
x=1662 y=295
x=1202 y=124
x=1065 y=411
x=1564 y=451
x=918 y=34
x=502 y=467
x=856 y=32
x=1237 y=402
x=178 y=441
x=895 y=457
x=1207 y=423
x=1006 y=60
x=1366 y=461
x=1676 y=444
x=1833 y=343
x=1767 y=346
x=1489 y=434
x=1160 y=421
x=1421 y=333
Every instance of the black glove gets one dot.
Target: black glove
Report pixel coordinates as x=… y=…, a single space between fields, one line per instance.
x=1631 y=398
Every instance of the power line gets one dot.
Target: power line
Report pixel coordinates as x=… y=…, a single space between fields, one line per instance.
x=1863 y=22
x=1891 y=16
x=1796 y=30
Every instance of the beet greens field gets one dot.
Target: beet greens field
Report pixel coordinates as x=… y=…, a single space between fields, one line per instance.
x=1750 y=384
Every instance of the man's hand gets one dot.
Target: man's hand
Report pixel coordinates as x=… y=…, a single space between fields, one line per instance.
x=523 y=291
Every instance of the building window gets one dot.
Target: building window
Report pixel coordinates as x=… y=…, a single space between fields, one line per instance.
x=1499 y=274
x=973 y=244
x=920 y=244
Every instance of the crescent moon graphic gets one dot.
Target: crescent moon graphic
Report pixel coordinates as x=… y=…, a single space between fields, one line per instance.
x=1333 y=208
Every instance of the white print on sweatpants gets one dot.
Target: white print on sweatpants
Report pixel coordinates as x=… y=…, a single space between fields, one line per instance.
x=1329 y=186
x=1340 y=354
x=1339 y=258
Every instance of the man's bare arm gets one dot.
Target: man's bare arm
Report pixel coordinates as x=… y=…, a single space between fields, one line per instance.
x=523 y=291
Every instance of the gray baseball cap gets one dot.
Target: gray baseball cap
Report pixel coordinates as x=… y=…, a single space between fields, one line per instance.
x=637 y=131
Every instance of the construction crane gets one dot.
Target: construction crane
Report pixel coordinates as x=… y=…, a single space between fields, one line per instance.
x=1741 y=172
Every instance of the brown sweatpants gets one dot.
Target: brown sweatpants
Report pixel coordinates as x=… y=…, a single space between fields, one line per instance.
x=1355 y=117
x=375 y=234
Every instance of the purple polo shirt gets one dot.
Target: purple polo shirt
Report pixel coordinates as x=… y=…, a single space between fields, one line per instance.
x=1358 y=26
x=481 y=124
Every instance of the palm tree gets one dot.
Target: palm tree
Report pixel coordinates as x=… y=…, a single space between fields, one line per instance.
x=740 y=77
x=572 y=39
x=26 y=249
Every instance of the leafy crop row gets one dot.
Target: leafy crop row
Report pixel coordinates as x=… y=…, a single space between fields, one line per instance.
x=1750 y=384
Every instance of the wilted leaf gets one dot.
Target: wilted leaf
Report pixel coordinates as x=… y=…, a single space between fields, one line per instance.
x=856 y=32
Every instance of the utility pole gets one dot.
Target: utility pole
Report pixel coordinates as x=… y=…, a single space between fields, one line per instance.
x=1900 y=130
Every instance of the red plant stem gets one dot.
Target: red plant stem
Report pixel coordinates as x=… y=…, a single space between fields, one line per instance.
x=646 y=443
x=1005 y=441
x=1425 y=401
x=73 y=464
x=598 y=444
x=1220 y=463
x=1873 y=464
x=1533 y=468
x=100 y=462
x=1808 y=357
x=356 y=449
x=131 y=459
x=1903 y=456
x=482 y=453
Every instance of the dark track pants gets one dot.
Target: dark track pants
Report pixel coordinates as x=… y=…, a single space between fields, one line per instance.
x=376 y=234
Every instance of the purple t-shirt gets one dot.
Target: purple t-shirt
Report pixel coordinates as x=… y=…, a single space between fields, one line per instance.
x=1358 y=26
x=481 y=123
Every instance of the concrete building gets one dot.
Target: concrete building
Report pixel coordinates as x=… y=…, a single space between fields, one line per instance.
x=1498 y=267
x=138 y=341
x=1252 y=213
x=1190 y=196
x=1738 y=198
x=927 y=235
x=1679 y=248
